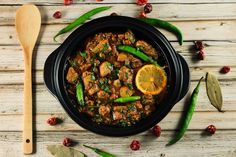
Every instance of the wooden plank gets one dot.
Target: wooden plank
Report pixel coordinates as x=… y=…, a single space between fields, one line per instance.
x=56 y=2
x=11 y=99
x=221 y=144
x=192 y=30
x=200 y=120
x=172 y=12
x=223 y=52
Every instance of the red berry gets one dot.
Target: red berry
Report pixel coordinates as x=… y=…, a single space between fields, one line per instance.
x=67 y=142
x=199 y=45
x=52 y=121
x=68 y=2
x=201 y=55
x=156 y=130
x=57 y=15
x=142 y=14
x=135 y=145
x=211 y=129
x=148 y=8
x=225 y=69
x=141 y=2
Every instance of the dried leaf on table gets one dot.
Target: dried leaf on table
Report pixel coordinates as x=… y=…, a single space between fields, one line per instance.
x=214 y=91
x=62 y=151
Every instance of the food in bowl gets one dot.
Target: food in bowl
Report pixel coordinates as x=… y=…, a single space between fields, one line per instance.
x=118 y=88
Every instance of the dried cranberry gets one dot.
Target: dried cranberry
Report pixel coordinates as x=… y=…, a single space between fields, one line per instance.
x=142 y=14
x=225 y=69
x=201 y=55
x=67 y=142
x=68 y=2
x=156 y=130
x=211 y=129
x=141 y=2
x=199 y=45
x=135 y=145
x=52 y=121
x=148 y=8
x=57 y=15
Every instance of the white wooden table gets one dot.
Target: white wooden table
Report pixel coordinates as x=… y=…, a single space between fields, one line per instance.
x=213 y=21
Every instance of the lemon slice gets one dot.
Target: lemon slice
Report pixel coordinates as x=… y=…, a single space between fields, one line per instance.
x=151 y=79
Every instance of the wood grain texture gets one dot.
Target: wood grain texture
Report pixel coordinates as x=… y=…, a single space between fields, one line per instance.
x=199 y=144
x=200 y=120
x=213 y=21
x=57 y=2
x=172 y=12
x=192 y=30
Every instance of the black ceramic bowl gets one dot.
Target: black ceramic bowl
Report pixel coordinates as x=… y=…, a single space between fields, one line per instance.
x=56 y=63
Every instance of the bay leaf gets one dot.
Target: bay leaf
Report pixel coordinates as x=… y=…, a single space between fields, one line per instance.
x=214 y=91
x=62 y=151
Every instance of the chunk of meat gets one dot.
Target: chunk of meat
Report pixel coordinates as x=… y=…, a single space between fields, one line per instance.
x=103 y=95
x=126 y=92
x=104 y=110
x=105 y=69
x=117 y=115
x=117 y=83
x=103 y=46
x=146 y=48
x=138 y=105
x=93 y=89
x=87 y=79
x=90 y=102
x=126 y=75
x=134 y=115
x=135 y=62
x=129 y=38
x=122 y=57
x=119 y=108
x=72 y=75
x=148 y=99
x=84 y=67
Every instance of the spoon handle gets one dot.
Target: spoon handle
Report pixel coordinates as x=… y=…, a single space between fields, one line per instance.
x=28 y=126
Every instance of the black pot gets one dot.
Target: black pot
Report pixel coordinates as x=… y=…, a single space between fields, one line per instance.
x=178 y=72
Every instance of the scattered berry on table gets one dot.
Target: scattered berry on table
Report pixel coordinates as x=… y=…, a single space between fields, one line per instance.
x=148 y=8
x=156 y=130
x=225 y=69
x=201 y=55
x=68 y=2
x=211 y=129
x=52 y=121
x=141 y=2
x=142 y=14
x=135 y=145
x=57 y=15
x=67 y=142
x=199 y=45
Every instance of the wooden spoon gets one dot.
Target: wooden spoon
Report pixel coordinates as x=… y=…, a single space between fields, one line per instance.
x=28 y=23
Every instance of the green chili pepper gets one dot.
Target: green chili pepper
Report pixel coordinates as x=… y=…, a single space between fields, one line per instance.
x=137 y=53
x=100 y=152
x=80 y=94
x=188 y=116
x=127 y=99
x=81 y=20
x=165 y=25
